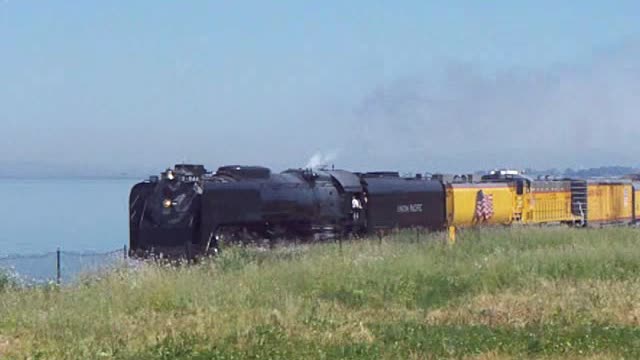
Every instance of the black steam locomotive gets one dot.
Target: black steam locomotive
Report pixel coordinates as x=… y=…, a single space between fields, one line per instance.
x=187 y=210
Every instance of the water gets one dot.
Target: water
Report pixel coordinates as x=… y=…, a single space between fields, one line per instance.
x=77 y=216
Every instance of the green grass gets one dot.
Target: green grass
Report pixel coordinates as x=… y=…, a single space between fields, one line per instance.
x=499 y=293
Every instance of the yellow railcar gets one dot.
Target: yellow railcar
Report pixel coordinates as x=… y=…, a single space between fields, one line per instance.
x=537 y=201
x=636 y=201
x=549 y=202
x=471 y=204
x=609 y=201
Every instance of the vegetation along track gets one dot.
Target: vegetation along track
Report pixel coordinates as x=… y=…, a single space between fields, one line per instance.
x=496 y=293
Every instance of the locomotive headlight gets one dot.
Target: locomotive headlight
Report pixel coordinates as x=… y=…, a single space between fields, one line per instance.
x=166 y=203
x=171 y=175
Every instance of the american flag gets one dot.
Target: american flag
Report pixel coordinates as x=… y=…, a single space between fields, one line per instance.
x=484 y=206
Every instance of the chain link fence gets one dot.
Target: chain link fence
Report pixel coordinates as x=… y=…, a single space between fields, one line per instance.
x=59 y=266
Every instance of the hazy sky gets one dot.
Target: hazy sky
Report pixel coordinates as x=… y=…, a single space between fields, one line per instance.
x=413 y=85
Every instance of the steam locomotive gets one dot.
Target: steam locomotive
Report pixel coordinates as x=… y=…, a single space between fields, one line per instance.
x=188 y=210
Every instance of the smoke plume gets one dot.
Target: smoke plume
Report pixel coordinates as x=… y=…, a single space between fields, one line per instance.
x=582 y=115
x=319 y=160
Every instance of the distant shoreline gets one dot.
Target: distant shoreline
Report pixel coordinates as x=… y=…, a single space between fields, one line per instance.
x=71 y=177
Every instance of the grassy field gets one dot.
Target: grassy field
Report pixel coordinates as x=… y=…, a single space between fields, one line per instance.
x=496 y=294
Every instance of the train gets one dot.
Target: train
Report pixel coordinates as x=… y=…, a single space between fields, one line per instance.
x=189 y=211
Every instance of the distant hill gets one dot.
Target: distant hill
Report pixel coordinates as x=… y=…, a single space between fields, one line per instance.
x=36 y=170
x=613 y=171
x=602 y=171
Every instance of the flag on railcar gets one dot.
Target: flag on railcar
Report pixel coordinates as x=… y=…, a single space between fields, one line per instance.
x=484 y=206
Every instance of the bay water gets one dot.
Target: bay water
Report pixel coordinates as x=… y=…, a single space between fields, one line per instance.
x=79 y=216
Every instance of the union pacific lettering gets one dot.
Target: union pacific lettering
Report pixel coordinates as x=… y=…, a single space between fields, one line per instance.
x=410 y=208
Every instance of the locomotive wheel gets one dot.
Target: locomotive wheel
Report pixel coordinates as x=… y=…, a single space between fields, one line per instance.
x=216 y=240
x=189 y=251
x=274 y=235
x=210 y=248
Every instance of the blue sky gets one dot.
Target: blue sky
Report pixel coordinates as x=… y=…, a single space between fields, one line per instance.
x=124 y=85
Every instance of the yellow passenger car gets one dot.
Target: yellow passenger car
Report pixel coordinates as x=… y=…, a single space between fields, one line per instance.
x=609 y=201
x=471 y=204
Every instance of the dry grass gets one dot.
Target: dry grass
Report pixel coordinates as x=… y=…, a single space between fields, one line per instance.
x=495 y=356
x=614 y=302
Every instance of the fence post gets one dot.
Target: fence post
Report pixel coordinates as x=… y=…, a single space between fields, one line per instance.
x=125 y=251
x=58 y=272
